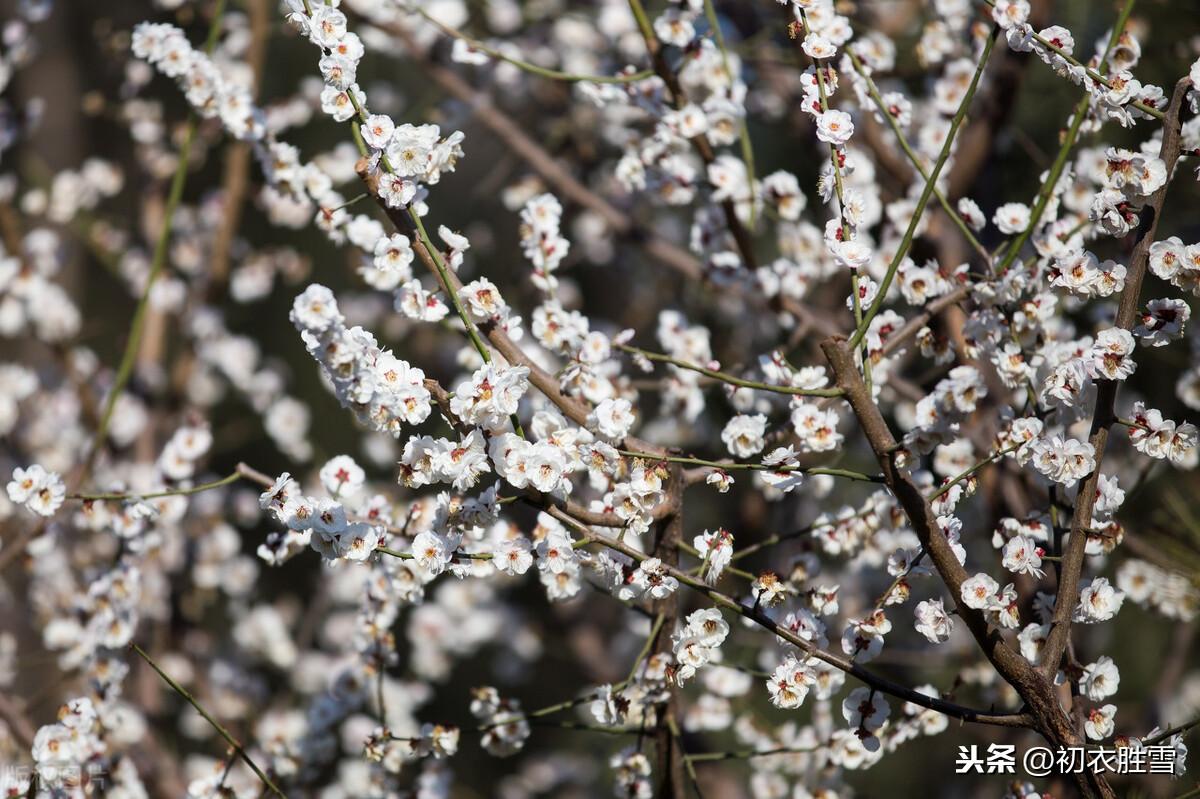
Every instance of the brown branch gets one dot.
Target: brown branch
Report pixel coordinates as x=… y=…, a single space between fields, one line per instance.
x=236 y=178
x=1104 y=415
x=914 y=325
x=669 y=755
x=915 y=505
x=1035 y=689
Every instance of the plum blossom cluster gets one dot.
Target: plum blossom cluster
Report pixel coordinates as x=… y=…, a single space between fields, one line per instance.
x=210 y=92
x=907 y=373
x=542 y=241
x=325 y=523
x=381 y=389
x=40 y=491
x=412 y=156
x=1119 y=97
x=698 y=642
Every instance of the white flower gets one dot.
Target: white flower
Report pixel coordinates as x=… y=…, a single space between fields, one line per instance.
x=980 y=591
x=789 y=683
x=697 y=641
x=1162 y=322
x=744 y=434
x=358 y=541
x=782 y=189
x=341 y=476
x=1100 y=679
x=315 y=310
x=1031 y=639
x=816 y=427
x=1161 y=438
x=326 y=26
x=651 y=579
x=1064 y=461
x=862 y=639
x=834 y=127
x=491 y=396
x=483 y=300
x=277 y=496
x=393 y=256
x=971 y=213
x=1011 y=218
x=1109 y=496
x=613 y=418
x=674 y=26
x=817 y=46
x=1167 y=258
x=715 y=548
x=411 y=149
x=26 y=482
x=1080 y=272
x=377 y=131
x=545 y=465
x=396 y=190
x=1110 y=356
x=1099 y=722
x=933 y=622
x=340 y=72
x=462 y=463
x=54 y=747
x=708 y=626
x=721 y=479
x=415 y=302
x=431 y=553
x=514 y=556
x=852 y=254
x=1136 y=174
x=1067 y=385
x=1010 y=13
x=866 y=710
x=1023 y=556
x=339 y=103
x=1098 y=601
x=40 y=491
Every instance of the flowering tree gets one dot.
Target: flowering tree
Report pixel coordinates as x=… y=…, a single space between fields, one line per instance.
x=821 y=463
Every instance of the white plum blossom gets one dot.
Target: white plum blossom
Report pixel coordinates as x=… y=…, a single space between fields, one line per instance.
x=1064 y=461
x=38 y=490
x=1011 y=218
x=697 y=641
x=1098 y=601
x=614 y=417
x=866 y=711
x=743 y=435
x=1023 y=556
x=834 y=127
x=790 y=683
x=1111 y=355
x=979 y=592
x=933 y=622
x=1100 y=679
x=1098 y=723
x=542 y=395
x=715 y=548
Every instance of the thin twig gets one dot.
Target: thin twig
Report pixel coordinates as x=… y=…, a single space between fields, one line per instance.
x=216 y=725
